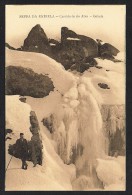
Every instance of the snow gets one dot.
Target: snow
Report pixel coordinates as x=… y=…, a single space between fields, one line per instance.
x=101 y=42
x=72 y=93
x=74 y=103
x=53 y=175
x=76 y=120
x=41 y=64
x=74 y=39
x=52 y=44
x=111 y=172
x=15 y=109
x=114 y=78
x=121 y=56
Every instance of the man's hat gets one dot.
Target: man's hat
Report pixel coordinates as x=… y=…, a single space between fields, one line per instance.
x=21 y=133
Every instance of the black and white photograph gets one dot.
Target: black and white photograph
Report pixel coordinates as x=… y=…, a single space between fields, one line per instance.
x=65 y=87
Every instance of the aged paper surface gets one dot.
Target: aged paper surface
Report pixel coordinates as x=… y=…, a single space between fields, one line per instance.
x=65 y=98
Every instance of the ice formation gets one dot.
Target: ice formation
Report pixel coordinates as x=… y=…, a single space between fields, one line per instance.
x=84 y=115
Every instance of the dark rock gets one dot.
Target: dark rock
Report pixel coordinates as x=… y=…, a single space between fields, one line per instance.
x=72 y=49
x=8 y=131
x=117 y=144
x=75 y=48
x=34 y=122
x=55 y=48
x=116 y=60
x=48 y=123
x=8 y=46
x=91 y=61
x=89 y=45
x=103 y=85
x=53 y=41
x=22 y=99
x=25 y=82
x=20 y=49
x=99 y=67
x=83 y=65
x=107 y=56
x=37 y=41
x=108 y=49
x=8 y=138
x=80 y=67
x=36 y=142
x=115 y=134
x=65 y=33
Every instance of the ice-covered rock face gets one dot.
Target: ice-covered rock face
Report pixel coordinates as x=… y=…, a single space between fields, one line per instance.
x=114 y=128
x=81 y=121
x=90 y=122
x=86 y=132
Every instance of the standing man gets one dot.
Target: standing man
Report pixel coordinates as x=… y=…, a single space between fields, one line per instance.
x=22 y=148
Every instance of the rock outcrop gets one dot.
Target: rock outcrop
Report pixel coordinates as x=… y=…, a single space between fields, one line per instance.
x=84 y=65
x=107 y=51
x=36 y=142
x=26 y=82
x=75 y=48
x=8 y=46
x=37 y=41
x=72 y=50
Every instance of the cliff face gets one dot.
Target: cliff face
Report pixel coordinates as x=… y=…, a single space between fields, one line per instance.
x=114 y=128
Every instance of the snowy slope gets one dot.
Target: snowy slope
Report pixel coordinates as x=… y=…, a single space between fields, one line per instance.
x=41 y=64
x=17 y=116
x=112 y=74
x=111 y=172
x=53 y=175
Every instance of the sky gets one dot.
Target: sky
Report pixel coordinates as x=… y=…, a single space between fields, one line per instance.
x=108 y=25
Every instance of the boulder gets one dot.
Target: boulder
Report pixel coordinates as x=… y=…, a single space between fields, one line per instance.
x=75 y=48
x=25 y=82
x=103 y=85
x=37 y=41
x=65 y=33
x=83 y=65
x=108 y=50
x=80 y=67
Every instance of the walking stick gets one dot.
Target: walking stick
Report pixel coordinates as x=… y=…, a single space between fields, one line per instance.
x=9 y=163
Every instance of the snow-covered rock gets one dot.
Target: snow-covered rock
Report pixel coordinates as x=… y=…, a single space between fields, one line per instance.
x=111 y=171
x=41 y=64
